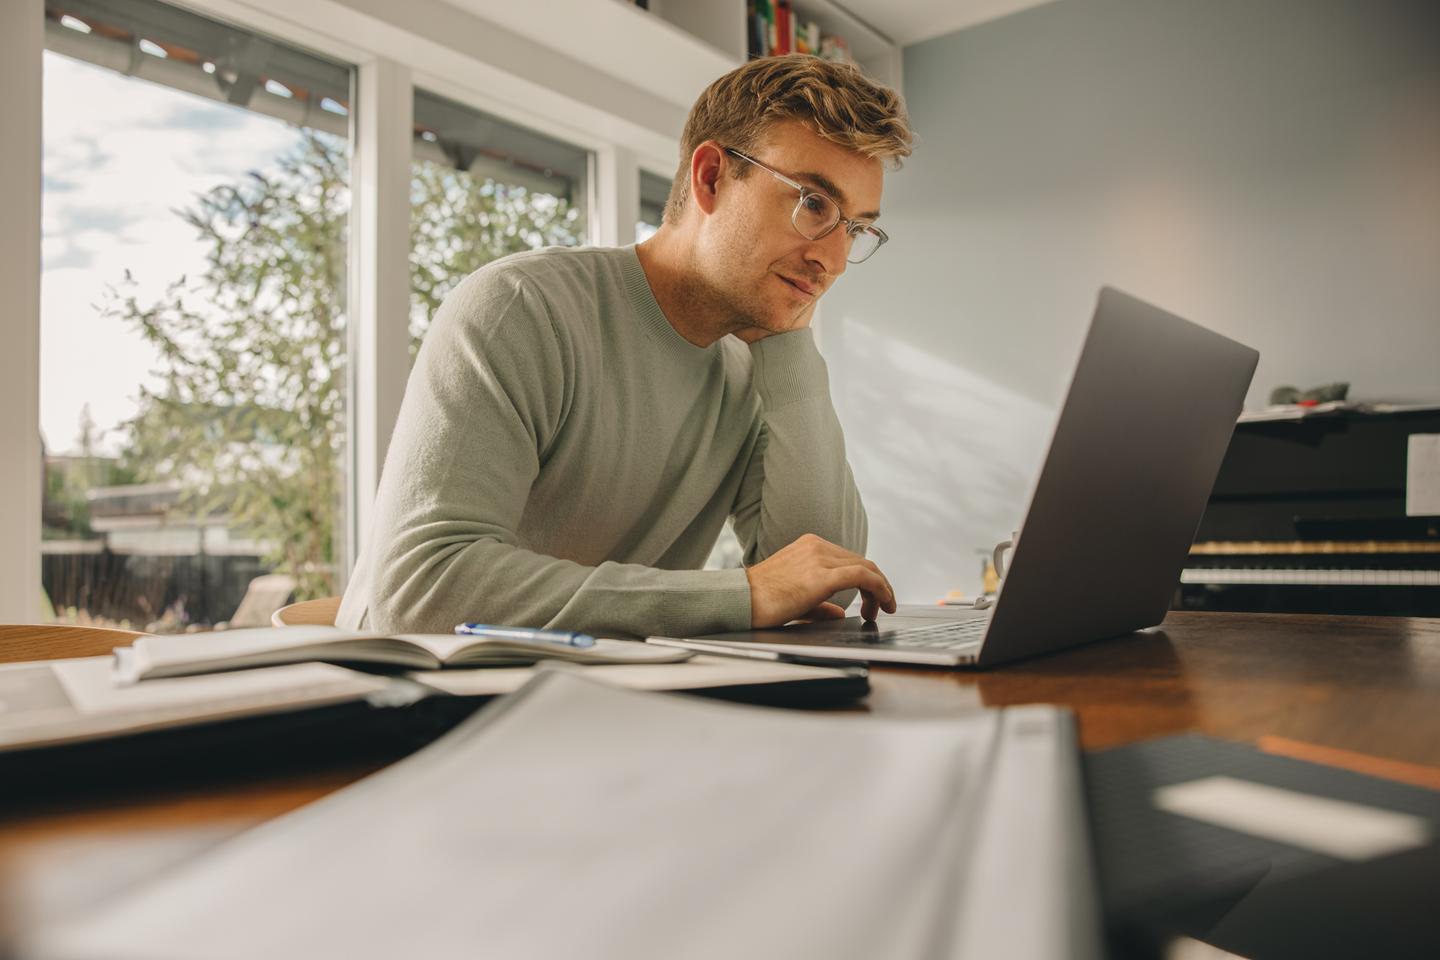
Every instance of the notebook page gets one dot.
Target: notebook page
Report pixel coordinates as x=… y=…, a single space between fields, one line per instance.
x=224 y=646
x=445 y=646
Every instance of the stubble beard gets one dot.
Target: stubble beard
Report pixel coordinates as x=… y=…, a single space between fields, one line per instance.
x=742 y=304
x=746 y=306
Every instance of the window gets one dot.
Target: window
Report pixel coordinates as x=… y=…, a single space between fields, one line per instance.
x=196 y=192
x=654 y=191
x=483 y=188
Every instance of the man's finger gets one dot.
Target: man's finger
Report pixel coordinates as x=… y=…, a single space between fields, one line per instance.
x=885 y=598
x=869 y=607
x=826 y=611
x=858 y=577
x=844 y=560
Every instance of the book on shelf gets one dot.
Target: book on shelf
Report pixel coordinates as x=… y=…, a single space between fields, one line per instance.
x=775 y=27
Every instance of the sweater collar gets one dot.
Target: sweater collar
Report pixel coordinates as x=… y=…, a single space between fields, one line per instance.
x=649 y=315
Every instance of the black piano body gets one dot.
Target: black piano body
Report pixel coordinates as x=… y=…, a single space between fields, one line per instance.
x=1308 y=516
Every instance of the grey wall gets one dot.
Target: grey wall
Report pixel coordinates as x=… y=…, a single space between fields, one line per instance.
x=1269 y=168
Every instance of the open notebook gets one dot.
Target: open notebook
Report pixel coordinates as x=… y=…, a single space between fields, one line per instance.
x=576 y=819
x=182 y=654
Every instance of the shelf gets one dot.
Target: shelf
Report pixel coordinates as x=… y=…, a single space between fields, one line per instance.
x=720 y=25
x=876 y=53
x=714 y=23
x=619 y=39
x=675 y=48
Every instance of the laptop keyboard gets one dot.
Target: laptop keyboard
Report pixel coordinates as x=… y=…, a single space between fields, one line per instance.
x=950 y=634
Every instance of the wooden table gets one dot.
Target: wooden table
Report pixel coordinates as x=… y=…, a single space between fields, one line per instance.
x=1370 y=685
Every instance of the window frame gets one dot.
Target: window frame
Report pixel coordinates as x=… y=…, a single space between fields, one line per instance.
x=497 y=73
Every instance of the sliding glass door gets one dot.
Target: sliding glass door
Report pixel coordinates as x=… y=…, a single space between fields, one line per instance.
x=196 y=195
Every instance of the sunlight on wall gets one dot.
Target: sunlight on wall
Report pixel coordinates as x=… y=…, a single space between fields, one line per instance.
x=940 y=453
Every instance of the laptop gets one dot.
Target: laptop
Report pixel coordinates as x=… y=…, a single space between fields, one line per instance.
x=1138 y=444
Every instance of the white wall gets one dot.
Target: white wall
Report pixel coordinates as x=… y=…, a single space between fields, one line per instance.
x=1271 y=170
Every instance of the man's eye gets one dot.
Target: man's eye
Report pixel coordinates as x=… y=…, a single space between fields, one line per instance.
x=815 y=204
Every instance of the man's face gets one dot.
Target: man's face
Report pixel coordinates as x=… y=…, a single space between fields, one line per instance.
x=767 y=273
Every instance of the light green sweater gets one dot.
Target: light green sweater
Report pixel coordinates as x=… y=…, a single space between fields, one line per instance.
x=564 y=458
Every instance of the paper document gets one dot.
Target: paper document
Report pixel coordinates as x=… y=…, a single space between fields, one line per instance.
x=60 y=701
x=575 y=819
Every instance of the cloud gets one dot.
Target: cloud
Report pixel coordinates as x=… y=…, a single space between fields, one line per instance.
x=74 y=155
x=206 y=115
x=53 y=184
x=111 y=220
x=67 y=255
x=73 y=232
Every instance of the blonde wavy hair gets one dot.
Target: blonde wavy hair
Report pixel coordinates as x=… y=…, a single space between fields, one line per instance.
x=835 y=100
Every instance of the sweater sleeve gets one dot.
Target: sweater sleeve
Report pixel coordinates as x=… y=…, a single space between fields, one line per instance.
x=798 y=480
x=485 y=400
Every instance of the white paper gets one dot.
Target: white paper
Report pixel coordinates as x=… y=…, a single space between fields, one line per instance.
x=92 y=689
x=1336 y=828
x=698 y=673
x=1422 y=476
x=97 y=706
x=584 y=821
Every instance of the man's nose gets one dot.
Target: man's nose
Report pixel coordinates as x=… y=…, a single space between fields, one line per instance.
x=829 y=253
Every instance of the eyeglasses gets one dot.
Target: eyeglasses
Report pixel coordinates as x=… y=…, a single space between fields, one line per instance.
x=815 y=215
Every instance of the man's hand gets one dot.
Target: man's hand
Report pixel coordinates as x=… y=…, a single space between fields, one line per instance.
x=796 y=580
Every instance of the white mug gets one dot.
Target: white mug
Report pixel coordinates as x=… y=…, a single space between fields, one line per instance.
x=997 y=556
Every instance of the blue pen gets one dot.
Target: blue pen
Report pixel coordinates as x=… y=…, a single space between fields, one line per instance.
x=569 y=638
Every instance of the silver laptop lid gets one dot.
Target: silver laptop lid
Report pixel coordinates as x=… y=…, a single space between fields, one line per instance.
x=1138 y=444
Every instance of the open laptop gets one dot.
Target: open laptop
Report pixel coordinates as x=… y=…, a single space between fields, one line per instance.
x=1136 y=450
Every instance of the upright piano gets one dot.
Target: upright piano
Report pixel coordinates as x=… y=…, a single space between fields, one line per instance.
x=1308 y=516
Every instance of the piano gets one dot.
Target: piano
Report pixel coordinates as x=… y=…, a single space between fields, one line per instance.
x=1308 y=516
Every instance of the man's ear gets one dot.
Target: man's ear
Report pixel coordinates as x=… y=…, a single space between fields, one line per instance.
x=706 y=164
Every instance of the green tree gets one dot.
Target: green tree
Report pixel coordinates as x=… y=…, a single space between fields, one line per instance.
x=249 y=412
x=65 y=511
x=458 y=224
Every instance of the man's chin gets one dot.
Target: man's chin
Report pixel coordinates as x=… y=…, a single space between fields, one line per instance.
x=760 y=329
x=758 y=325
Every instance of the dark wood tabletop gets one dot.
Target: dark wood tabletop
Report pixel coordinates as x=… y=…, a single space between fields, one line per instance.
x=1370 y=686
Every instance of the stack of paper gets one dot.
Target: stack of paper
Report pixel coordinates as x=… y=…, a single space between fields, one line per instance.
x=575 y=819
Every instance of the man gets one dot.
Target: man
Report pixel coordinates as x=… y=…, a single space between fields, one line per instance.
x=581 y=422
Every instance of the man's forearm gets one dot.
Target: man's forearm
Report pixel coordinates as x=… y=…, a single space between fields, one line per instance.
x=798 y=481
x=432 y=579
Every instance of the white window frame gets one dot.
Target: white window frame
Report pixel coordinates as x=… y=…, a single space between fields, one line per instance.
x=22 y=45
x=395 y=48
x=378 y=298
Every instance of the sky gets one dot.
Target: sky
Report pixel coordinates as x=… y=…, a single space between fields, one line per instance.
x=121 y=155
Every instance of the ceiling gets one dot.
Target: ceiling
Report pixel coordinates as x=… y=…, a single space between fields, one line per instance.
x=910 y=21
